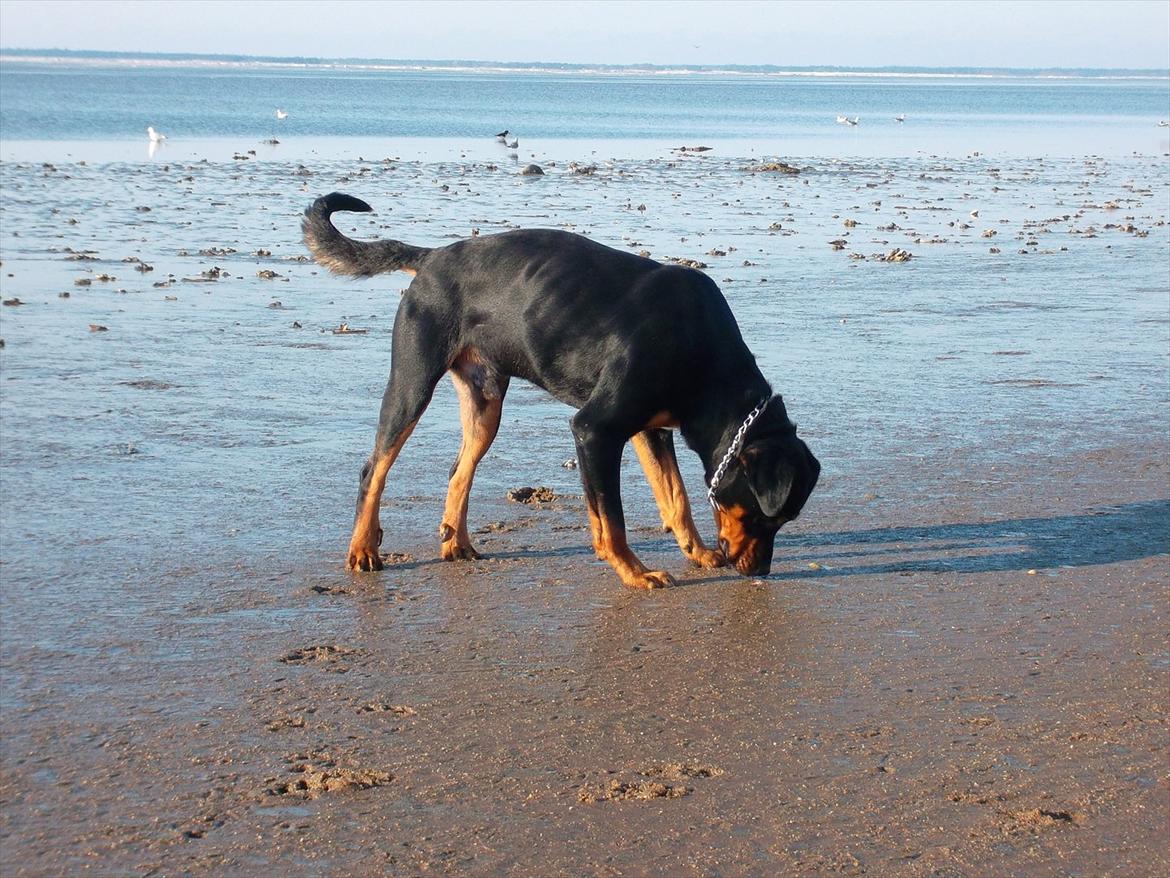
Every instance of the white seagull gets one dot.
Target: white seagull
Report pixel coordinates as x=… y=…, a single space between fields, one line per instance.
x=1164 y=124
x=281 y=114
x=154 y=136
x=842 y=120
x=515 y=143
x=901 y=117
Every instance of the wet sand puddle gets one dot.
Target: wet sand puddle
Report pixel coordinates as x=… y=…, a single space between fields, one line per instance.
x=956 y=668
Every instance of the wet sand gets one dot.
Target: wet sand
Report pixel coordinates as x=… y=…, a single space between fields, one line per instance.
x=921 y=704
x=958 y=667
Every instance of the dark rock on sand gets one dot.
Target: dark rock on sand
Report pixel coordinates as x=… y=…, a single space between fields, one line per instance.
x=532 y=495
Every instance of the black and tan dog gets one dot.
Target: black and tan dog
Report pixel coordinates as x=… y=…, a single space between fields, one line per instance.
x=635 y=346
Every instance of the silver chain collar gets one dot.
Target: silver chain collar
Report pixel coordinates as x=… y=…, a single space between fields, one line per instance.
x=733 y=450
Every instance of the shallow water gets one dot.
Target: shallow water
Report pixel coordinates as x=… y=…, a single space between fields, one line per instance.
x=202 y=422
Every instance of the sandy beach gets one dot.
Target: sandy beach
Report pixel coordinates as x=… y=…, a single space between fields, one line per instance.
x=959 y=664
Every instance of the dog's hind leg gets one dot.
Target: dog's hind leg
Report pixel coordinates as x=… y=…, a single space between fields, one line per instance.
x=367 y=530
x=417 y=364
x=656 y=452
x=479 y=410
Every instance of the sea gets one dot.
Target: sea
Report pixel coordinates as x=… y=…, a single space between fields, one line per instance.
x=432 y=108
x=172 y=385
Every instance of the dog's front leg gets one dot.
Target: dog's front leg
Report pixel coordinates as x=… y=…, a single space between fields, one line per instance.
x=599 y=452
x=656 y=452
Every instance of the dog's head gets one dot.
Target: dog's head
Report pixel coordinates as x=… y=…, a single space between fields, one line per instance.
x=765 y=489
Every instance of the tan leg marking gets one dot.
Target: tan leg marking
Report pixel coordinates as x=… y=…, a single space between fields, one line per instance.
x=622 y=559
x=609 y=541
x=367 y=530
x=596 y=531
x=481 y=421
x=670 y=492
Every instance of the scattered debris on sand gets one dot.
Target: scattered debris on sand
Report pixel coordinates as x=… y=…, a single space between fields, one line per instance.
x=309 y=781
x=677 y=770
x=285 y=722
x=1035 y=819
x=316 y=653
x=532 y=495
x=669 y=782
x=386 y=707
x=621 y=790
x=773 y=167
x=329 y=589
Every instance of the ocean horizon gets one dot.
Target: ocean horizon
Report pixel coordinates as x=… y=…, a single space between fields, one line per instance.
x=163 y=59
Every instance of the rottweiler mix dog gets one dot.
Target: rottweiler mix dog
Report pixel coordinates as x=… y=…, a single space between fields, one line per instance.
x=635 y=346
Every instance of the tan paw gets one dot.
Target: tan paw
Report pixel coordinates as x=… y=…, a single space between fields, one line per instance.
x=651 y=579
x=452 y=550
x=363 y=557
x=704 y=557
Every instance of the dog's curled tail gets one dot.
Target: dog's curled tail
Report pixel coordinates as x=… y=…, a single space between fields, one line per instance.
x=343 y=255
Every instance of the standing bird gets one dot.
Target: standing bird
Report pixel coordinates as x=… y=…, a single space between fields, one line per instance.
x=515 y=143
x=281 y=114
x=154 y=136
x=502 y=137
x=901 y=117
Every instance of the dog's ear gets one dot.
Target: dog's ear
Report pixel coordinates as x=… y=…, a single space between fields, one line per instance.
x=782 y=475
x=769 y=475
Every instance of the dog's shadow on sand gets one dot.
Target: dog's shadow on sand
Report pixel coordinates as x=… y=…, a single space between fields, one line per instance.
x=1106 y=535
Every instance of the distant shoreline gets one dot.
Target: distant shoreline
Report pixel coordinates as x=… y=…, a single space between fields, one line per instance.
x=191 y=60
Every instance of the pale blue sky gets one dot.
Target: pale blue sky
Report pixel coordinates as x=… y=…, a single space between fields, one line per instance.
x=1058 y=33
